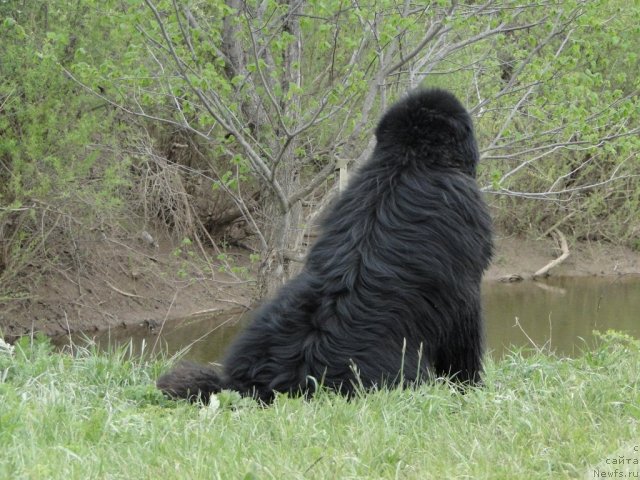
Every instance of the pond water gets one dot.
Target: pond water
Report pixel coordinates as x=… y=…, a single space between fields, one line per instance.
x=560 y=313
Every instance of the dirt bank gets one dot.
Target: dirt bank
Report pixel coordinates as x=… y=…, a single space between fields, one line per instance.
x=523 y=257
x=124 y=285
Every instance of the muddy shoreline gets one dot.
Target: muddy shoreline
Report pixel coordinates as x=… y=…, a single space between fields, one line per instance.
x=148 y=294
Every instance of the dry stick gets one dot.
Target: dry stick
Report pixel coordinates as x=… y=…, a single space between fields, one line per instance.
x=153 y=259
x=66 y=319
x=164 y=321
x=558 y=223
x=204 y=335
x=533 y=344
x=122 y=292
x=565 y=253
x=209 y=311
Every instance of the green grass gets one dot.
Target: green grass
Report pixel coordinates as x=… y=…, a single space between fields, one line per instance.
x=96 y=415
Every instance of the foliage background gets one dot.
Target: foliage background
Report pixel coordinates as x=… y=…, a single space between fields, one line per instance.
x=222 y=123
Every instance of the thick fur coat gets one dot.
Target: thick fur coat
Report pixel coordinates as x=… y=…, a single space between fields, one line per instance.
x=390 y=291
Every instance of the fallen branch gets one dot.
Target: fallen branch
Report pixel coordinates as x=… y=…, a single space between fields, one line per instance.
x=557 y=234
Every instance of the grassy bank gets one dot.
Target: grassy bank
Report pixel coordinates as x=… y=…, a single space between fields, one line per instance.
x=538 y=416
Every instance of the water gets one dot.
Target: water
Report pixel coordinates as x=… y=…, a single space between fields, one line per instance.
x=205 y=338
x=560 y=313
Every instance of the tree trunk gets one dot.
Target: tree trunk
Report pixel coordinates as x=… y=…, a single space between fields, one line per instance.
x=276 y=268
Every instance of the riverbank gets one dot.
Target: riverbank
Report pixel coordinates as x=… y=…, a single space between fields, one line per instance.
x=519 y=257
x=143 y=286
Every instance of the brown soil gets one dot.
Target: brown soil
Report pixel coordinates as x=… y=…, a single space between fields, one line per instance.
x=516 y=256
x=124 y=285
x=118 y=284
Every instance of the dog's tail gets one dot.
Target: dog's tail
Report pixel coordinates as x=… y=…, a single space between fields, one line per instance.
x=191 y=382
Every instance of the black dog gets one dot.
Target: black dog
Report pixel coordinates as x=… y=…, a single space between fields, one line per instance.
x=390 y=292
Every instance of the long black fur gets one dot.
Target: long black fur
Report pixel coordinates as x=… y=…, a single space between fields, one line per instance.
x=390 y=292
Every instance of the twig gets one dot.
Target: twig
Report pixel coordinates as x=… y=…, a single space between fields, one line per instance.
x=558 y=223
x=533 y=344
x=122 y=292
x=164 y=321
x=565 y=253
